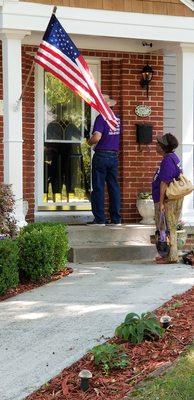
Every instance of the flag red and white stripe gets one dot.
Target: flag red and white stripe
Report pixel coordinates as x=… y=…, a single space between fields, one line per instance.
x=75 y=74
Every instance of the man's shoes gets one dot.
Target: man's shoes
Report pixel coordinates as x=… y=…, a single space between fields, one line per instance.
x=115 y=224
x=94 y=223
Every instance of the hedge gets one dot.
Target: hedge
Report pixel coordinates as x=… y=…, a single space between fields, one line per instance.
x=36 y=255
x=9 y=276
x=43 y=249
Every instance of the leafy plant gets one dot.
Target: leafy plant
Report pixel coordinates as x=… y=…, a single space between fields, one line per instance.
x=144 y=195
x=9 y=276
x=109 y=356
x=136 y=328
x=8 y=225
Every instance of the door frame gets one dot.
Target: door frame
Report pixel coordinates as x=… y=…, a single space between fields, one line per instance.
x=95 y=66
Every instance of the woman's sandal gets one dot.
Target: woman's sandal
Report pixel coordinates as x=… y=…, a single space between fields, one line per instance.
x=164 y=261
x=158 y=258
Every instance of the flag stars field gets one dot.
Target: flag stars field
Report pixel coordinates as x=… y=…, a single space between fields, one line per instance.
x=58 y=55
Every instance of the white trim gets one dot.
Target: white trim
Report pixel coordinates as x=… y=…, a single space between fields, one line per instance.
x=35 y=17
x=39 y=129
x=185 y=117
x=12 y=127
x=188 y=3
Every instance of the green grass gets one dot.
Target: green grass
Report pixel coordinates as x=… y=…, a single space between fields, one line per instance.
x=176 y=384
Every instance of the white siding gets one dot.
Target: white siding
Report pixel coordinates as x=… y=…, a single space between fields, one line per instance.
x=170 y=66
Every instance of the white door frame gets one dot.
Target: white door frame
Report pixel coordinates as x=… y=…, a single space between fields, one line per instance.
x=95 y=66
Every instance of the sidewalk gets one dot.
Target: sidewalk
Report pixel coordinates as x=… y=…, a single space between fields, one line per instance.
x=49 y=328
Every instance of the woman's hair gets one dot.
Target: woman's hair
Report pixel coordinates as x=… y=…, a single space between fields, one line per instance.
x=168 y=142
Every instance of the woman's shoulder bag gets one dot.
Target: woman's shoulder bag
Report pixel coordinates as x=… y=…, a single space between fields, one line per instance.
x=179 y=187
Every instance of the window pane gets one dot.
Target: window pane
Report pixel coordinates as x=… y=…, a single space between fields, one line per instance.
x=66 y=165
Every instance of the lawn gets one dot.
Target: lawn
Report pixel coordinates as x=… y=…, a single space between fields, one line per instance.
x=177 y=384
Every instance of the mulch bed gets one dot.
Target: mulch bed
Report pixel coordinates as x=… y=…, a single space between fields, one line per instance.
x=145 y=358
x=25 y=287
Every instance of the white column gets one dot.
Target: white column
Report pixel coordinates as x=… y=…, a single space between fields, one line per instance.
x=12 y=88
x=185 y=118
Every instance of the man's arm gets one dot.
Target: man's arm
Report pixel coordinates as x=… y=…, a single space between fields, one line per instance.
x=95 y=138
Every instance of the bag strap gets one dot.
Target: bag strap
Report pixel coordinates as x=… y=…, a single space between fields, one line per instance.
x=180 y=172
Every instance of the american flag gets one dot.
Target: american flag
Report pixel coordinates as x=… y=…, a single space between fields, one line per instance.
x=59 y=55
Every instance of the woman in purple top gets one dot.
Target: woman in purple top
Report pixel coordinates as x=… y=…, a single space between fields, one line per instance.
x=169 y=169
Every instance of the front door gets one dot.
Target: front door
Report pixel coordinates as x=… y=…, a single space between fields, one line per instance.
x=64 y=157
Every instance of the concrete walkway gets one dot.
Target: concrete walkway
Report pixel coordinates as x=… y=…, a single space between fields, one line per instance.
x=47 y=329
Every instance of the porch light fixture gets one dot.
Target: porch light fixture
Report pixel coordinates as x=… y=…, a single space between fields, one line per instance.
x=147 y=73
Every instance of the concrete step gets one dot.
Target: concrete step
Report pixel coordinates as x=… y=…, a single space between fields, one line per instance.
x=110 y=243
x=111 y=252
x=130 y=234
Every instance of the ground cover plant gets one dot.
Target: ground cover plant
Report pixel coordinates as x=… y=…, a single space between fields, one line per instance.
x=144 y=357
x=176 y=384
x=136 y=328
x=109 y=356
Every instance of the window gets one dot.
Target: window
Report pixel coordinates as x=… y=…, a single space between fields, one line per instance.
x=63 y=158
x=67 y=156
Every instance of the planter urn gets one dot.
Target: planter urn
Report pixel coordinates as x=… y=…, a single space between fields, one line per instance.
x=146 y=210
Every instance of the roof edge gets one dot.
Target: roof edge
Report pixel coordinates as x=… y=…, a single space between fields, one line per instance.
x=188 y=3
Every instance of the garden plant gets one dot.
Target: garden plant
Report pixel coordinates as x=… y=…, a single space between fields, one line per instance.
x=137 y=328
x=9 y=276
x=109 y=356
x=8 y=225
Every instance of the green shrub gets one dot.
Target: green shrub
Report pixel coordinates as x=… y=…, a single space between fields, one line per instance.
x=109 y=356
x=137 y=328
x=36 y=254
x=59 y=235
x=9 y=276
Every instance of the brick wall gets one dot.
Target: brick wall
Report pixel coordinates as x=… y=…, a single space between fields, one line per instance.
x=120 y=77
x=28 y=132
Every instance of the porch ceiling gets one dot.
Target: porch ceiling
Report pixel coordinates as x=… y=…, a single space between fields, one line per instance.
x=109 y=43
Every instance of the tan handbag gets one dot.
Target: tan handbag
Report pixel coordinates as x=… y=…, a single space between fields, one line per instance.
x=179 y=188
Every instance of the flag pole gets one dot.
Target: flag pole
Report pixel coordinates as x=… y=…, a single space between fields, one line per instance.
x=30 y=72
x=26 y=82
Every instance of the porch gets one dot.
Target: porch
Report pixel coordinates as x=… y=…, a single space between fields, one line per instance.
x=118 y=50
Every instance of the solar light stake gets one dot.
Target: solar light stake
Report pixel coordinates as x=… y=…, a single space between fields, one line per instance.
x=165 y=321
x=85 y=375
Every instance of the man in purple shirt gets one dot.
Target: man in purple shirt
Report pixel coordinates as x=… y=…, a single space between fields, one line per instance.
x=105 y=169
